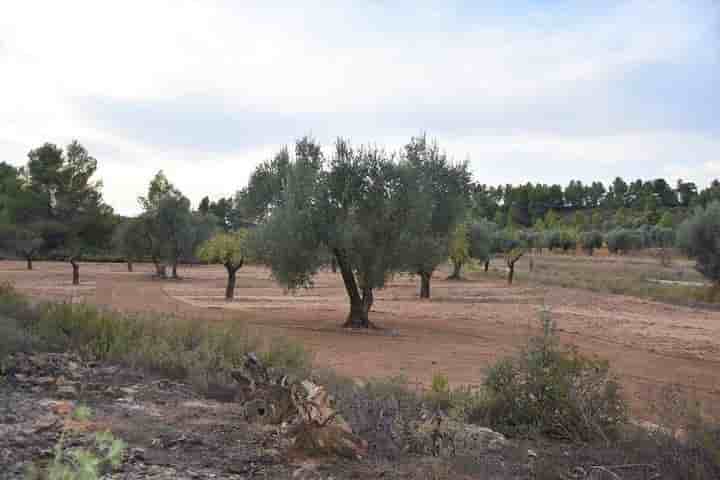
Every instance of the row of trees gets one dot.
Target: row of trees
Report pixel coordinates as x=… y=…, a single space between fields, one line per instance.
x=368 y=212
x=524 y=205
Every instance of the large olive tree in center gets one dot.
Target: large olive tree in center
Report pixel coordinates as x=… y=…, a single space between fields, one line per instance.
x=355 y=205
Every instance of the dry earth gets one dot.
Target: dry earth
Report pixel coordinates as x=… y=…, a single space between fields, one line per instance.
x=464 y=328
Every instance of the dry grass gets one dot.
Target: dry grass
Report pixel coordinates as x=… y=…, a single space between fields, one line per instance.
x=628 y=275
x=199 y=351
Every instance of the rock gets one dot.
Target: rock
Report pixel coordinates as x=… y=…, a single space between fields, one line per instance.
x=67 y=391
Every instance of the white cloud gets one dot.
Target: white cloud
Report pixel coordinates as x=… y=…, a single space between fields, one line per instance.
x=349 y=59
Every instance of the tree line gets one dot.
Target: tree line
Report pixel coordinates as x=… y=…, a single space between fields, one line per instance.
x=364 y=211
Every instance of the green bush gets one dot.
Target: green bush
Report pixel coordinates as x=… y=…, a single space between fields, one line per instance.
x=553 y=392
x=589 y=241
x=623 y=240
x=93 y=463
x=699 y=237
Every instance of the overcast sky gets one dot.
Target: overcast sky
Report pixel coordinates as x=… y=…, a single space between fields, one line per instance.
x=539 y=91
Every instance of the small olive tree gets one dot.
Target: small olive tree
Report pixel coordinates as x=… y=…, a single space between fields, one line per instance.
x=230 y=250
x=129 y=239
x=459 y=249
x=589 y=241
x=436 y=199
x=512 y=248
x=482 y=241
x=699 y=237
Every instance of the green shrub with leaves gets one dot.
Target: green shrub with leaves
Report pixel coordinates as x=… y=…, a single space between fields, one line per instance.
x=92 y=463
x=699 y=237
x=550 y=391
x=623 y=240
x=589 y=241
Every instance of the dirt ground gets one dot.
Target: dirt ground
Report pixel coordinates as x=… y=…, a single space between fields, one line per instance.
x=465 y=327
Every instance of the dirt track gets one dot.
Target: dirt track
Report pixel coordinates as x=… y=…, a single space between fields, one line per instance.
x=465 y=327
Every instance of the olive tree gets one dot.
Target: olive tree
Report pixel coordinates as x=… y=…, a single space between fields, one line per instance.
x=230 y=250
x=589 y=241
x=699 y=237
x=172 y=231
x=24 y=241
x=130 y=240
x=355 y=205
x=512 y=248
x=459 y=249
x=482 y=241
x=436 y=201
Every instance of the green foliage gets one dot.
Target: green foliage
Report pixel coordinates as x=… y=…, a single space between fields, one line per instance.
x=225 y=248
x=623 y=240
x=552 y=219
x=589 y=241
x=666 y=220
x=168 y=230
x=699 y=237
x=459 y=247
x=94 y=463
x=130 y=240
x=435 y=198
x=482 y=240
x=554 y=392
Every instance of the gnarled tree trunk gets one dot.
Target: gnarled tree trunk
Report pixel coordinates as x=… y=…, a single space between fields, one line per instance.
x=457 y=269
x=76 y=272
x=129 y=266
x=359 y=304
x=29 y=262
x=232 y=279
x=174 y=271
x=487 y=264
x=425 y=284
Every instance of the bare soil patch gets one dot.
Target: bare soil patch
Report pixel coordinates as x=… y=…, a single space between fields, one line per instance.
x=465 y=327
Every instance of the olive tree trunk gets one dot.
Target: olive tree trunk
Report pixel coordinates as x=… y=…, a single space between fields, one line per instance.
x=425 y=284
x=457 y=269
x=174 y=271
x=232 y=279
x=487 y=265
x=29 y=262
x=360 y=304
x=76 y=272
x=129 y=266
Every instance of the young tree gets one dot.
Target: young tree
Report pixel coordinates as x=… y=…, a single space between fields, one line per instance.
x=436 y=203
x=357 y=208
x=589 y=241
x=230 y=250
x=24 y=241
x=699 y=237
x=482 y=241
x=130 y=240
x=512 y=249
x=170 y=229
x=459 y=249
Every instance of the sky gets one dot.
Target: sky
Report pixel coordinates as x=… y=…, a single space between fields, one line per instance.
x=540 y=91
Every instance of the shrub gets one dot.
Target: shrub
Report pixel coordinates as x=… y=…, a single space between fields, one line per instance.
x=589 y=241
x=699 y=237
x=93 y=463
x=568 y=240
x=201 y=352
x=553 y=392
x=623 y=240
